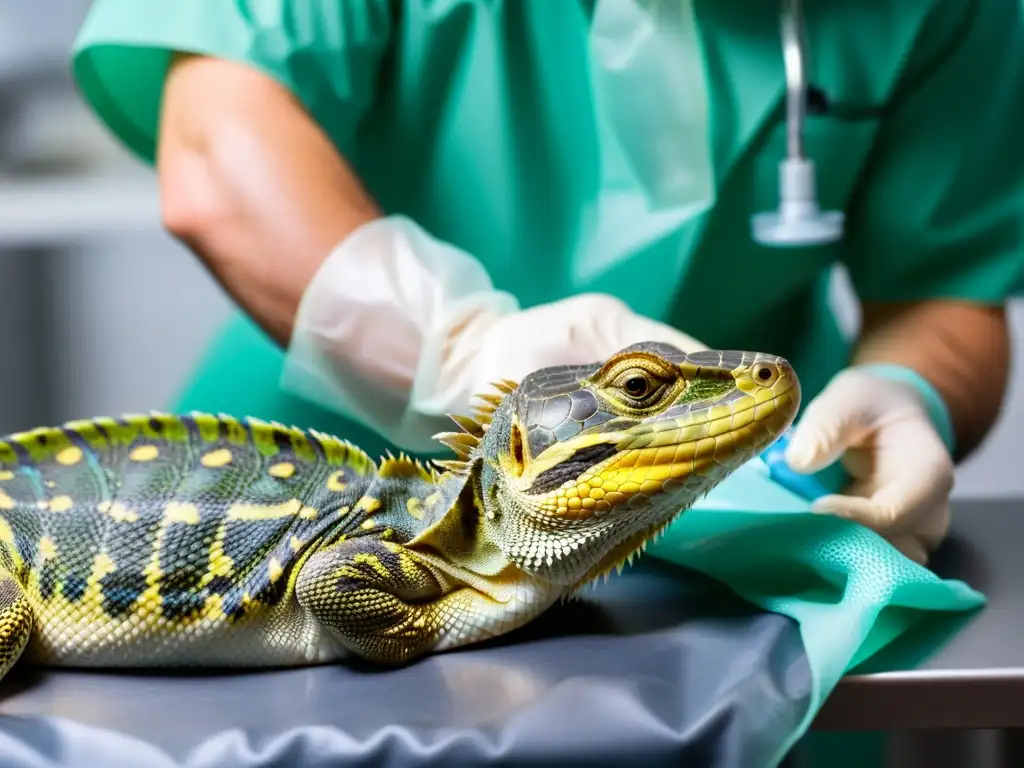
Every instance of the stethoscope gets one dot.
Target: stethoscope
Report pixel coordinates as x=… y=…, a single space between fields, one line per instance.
x=798 y=221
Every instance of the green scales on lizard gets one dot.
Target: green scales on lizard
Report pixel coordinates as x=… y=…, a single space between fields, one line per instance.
x=158 y=540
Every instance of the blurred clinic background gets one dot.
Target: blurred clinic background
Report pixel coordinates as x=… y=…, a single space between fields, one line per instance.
x=101 y=312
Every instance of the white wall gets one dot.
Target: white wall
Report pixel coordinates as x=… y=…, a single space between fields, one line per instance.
x=135 y=314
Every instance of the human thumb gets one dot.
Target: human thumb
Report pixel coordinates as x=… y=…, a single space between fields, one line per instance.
x=830 y=424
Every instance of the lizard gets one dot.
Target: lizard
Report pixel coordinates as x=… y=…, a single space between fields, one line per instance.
x=201 y=539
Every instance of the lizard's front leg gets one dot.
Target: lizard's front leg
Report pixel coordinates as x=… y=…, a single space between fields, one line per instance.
x=390 y=604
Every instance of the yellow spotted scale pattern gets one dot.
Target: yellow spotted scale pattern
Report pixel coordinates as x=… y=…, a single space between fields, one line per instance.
x=129 y=542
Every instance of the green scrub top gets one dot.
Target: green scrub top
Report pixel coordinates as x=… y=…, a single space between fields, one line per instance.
x=475 y=119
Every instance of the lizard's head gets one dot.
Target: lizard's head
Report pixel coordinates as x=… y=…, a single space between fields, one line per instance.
x=580 y=466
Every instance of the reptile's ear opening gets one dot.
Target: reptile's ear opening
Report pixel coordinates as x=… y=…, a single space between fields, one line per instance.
x=516 y=450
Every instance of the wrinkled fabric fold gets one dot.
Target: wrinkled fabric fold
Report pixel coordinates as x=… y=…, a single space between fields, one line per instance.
x=851 y=592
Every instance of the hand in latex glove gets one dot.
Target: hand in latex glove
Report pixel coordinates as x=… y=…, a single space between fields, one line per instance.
x=901 y=468
x=583 y=329
x=398 y=329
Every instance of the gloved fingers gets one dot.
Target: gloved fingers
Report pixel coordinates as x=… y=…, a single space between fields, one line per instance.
x=893 y=510
x=914 y=484
x=828 y=428
x=519 y=343
x=916 y=545
x=669 y=335
x=576 y=331
x=607 y=323
x=935 y=526
x=920 y=545
x=912 y=547
x=860 y=509
x=861 y=463
x=462 y=338
x=633 y=329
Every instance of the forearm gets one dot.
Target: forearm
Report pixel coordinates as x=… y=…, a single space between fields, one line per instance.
x=253 y=186
x=961 y=348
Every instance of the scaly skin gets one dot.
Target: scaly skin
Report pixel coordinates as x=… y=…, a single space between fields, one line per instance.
x=201 y=540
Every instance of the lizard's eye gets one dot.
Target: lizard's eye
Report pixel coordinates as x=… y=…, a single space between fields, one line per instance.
x=640 y=388
x=636 y=386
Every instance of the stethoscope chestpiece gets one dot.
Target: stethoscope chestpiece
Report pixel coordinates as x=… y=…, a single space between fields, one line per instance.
x=799 y=221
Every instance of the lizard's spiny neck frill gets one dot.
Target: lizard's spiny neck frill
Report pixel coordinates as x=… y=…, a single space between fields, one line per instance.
x=466 y=442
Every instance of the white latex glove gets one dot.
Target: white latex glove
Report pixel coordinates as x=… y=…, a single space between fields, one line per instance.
x=902 y=471
x=398 y=329
x=582 y=329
